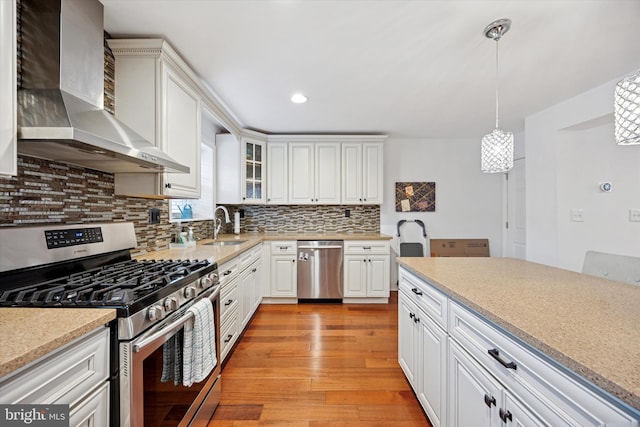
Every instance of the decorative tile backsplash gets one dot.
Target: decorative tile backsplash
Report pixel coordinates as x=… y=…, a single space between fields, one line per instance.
x=47 y=192
x=306 y=219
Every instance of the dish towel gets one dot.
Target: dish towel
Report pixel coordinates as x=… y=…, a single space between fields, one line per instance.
x=199 y=347
x=172 y=358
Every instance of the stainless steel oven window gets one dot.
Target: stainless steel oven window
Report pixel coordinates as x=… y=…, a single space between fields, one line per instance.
x=144 y=398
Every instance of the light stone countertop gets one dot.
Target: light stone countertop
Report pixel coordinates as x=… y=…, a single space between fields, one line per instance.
x=589 y=325
x=222 y=254
x=26 y=334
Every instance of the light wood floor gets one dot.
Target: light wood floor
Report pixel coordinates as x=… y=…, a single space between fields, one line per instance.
x=313 y=365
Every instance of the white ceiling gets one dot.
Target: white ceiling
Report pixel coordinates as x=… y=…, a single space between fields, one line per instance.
x=413 y=69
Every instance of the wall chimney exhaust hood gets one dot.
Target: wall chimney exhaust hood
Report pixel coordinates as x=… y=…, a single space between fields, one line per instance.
x=60 y=105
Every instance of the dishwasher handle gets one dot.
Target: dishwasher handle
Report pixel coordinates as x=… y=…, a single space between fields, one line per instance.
x=320 y=247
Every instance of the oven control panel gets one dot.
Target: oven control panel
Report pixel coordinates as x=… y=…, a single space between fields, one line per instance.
x=72 y=237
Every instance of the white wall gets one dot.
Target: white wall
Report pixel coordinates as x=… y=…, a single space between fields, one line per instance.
x=570 y=150
x=468 y=202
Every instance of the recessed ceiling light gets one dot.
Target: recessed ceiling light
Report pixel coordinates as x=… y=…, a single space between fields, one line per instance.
x=298 y=98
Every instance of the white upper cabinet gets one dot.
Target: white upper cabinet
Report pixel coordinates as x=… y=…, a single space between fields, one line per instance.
x=8 y=143
x=157 y=96
x=240 y=170
x=362 y=173
x=277 y=176
x=314 y=173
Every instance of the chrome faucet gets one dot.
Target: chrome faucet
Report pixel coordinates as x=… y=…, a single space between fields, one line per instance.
x=217 y=222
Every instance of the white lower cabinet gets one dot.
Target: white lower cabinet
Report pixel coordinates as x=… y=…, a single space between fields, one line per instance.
x=283 y=270
x=422 y=354
x=75 y=375
x=486 y=377
x=366 y=269
x=240 y=295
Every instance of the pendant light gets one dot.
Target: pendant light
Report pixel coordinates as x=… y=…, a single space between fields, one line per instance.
x=497 y=146
x=627 y=110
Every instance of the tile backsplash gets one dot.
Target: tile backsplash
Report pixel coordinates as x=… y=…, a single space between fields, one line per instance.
x=47 y=192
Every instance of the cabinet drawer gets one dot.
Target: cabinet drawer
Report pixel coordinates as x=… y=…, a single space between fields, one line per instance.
x=432 y=301
x=93 y=411
x=249 y=257
x=228 y=271
x=366 y=247
x=541 y=384
x=284 y=247
x=228 y=299
x=64 y=376
x=229 y=332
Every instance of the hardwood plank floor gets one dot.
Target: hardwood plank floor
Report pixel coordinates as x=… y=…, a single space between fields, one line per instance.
x=318 y=365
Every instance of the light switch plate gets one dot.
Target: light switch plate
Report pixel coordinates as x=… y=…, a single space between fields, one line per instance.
x=577 y=215
x=634 y=215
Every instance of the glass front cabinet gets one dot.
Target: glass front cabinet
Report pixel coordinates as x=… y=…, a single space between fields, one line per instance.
x=254 y=162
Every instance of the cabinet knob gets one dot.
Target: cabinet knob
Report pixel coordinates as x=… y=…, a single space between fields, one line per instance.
x=489 y=400
x=505 y=415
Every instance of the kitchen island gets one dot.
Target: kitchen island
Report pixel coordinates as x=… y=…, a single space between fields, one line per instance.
x=586 y=326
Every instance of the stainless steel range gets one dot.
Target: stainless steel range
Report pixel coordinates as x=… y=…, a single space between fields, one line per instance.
x=91 y=266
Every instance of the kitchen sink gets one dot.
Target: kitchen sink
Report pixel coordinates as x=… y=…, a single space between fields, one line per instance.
x=226 y=243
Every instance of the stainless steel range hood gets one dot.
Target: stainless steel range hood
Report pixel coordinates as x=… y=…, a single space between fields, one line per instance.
x=60 y=104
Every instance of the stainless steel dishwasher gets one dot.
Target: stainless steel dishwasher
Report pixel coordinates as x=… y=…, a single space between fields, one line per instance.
x=320 y=269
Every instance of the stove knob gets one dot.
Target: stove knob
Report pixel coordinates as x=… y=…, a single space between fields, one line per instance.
x=155 y=313
x=170 y=304
x=206 y=282
x=189 y=292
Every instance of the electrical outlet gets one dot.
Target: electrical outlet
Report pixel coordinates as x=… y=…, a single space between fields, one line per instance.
x=347 y=213
x=154 y=216
x=577 y=215
x=634 y=215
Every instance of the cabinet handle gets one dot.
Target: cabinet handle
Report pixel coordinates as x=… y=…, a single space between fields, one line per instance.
x=415 y=318
x=411 y=315
x=416 y=291
x=496 y=355
x=489 y=400
x=167 y=185
x=505 y=415
x=228 y=272
x=366 y=248
x=228 y=303
x=365 y=200
x=228 y=338
x=360 y=199
x=293 y=260
x=254 y=270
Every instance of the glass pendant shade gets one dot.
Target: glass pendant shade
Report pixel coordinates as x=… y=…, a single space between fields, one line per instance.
x=627 y=110
x=496 y=152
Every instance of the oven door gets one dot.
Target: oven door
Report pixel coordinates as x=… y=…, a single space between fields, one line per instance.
x=146 y=400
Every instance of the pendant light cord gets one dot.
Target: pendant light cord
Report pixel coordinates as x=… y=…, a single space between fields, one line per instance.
x=497 y=83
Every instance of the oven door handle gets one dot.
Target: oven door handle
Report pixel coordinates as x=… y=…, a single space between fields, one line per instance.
x=137 y=347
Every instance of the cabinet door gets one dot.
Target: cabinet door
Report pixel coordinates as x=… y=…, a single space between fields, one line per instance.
x=516 y=414
x=245 y=293
x=8 y=141
x=372 y=169
x=301 y=174
x=408 y=336
x=181 y=135
x=283 y=276
x=327 y=173
x=377 y=276
x=432 y=373
x=256 y=296
x=277 y=178
x=472 y=392
x=351 y=173
x=355 y=276
x=252 y=170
